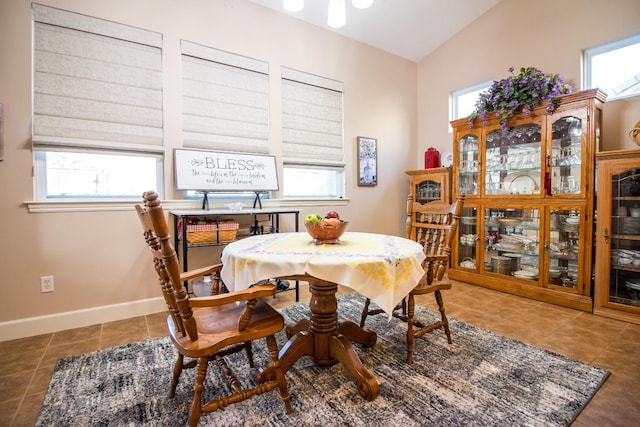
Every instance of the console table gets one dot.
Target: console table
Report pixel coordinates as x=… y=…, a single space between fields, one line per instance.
x=182 y=215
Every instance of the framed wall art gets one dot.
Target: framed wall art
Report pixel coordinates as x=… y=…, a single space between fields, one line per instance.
x=367 y=162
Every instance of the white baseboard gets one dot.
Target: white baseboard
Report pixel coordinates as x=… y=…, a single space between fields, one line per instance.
x=31 y=326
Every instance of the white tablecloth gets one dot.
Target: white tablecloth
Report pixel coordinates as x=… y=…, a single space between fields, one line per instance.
x=381 y=267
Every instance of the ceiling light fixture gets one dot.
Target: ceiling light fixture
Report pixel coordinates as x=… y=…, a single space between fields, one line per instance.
x=294 y=5
x=337 y=13
x=361 y=4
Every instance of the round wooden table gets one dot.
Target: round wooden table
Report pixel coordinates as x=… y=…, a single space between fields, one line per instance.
x=381 y=267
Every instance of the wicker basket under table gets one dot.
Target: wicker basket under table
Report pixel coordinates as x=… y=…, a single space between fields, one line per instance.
x=219 y=232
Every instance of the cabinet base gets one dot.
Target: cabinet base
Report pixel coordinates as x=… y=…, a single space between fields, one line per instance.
x=565 y=299
x=618 y=314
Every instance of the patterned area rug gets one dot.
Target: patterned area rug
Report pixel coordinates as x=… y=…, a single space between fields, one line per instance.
x=482 y=379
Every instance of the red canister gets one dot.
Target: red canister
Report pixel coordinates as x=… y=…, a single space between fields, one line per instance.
x=431 y=158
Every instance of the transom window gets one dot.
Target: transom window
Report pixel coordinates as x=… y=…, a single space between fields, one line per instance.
x=614 y=67
x=463 y=101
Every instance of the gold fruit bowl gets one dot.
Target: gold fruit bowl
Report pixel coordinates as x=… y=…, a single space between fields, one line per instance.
x=324 y=233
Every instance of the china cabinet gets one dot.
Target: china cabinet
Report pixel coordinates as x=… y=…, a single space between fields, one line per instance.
x=617 y=278
x=428 y=185
x=527 y=224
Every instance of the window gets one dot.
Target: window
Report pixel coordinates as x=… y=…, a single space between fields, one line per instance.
x=97 y=107
x=463 y=101
x=225 y=100
x=72 y=174
x=312 y=136
x=614 y=68
x=310 y=181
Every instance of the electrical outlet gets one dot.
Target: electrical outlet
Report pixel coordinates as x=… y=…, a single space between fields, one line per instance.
x=46 y=284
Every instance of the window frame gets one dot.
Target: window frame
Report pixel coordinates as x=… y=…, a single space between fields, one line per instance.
x=454 y=97
x=587 y=62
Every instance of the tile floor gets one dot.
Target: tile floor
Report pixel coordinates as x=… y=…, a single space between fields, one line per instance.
x=614 y=345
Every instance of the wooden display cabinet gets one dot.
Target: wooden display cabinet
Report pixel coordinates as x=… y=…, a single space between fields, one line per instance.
x=617 y=278
x=527 y=224
x=428 y=185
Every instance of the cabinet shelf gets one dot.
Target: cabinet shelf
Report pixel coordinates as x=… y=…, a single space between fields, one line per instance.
x=625 y=268
x=634 y=237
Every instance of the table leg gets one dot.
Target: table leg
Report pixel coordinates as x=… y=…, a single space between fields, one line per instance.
x=327 y=340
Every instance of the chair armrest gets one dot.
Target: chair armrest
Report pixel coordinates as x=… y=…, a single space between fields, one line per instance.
x=254 y=292
x=199 y=272
x=436 y=258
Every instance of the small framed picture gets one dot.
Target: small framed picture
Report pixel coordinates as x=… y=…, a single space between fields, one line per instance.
x=367 y=162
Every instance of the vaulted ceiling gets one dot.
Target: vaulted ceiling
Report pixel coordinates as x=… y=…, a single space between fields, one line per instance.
x=407 y=28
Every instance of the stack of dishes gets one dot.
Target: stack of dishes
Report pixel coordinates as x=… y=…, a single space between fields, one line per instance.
x=629 y=225
x=501 y=264
x=554 y=275
x=515 y=261
x=468 y=220
x=530 y=274
x=510 y=222
x=572 y=223
x=508 y=246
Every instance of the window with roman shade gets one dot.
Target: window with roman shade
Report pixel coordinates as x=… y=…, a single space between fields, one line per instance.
x=96 y=83
x=311 y=118
x=225 y=100
x=312 y=135
x=97 y=106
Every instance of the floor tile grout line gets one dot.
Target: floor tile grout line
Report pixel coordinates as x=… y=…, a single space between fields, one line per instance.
x=33 y=375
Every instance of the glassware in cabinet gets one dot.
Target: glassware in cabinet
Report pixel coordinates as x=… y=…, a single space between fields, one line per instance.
x=565 y=155
x=511 y=238
x=468 y=238
x=564 y=248
x=428 y=191
x=513 y=160
x=468 y=160
x=429 y=185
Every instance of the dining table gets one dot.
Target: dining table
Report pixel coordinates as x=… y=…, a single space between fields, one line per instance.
x=381 y=267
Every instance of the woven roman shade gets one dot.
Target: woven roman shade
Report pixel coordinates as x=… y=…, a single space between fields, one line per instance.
x=225 y=100
x=97 y=83
x=311 y=118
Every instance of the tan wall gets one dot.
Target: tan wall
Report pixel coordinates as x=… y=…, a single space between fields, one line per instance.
x=98 y=258
x=547 y=34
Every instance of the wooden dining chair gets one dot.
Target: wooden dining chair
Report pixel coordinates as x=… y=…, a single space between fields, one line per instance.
x=210 y=328
x=434 y=225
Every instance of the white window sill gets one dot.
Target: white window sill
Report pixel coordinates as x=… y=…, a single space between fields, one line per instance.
x=51 y=206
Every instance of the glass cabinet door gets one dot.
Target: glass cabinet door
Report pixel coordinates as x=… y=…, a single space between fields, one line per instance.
x=512 y=242
x=468 y=164
x=468 y=238
x=428 y=191
x=565 y=157
x=513 y=160
x=564 y=247
x=624 y=283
